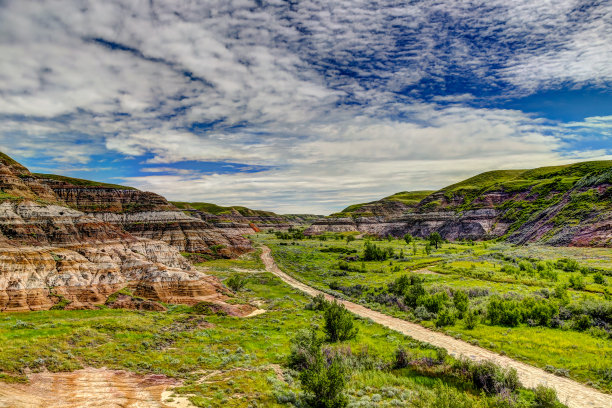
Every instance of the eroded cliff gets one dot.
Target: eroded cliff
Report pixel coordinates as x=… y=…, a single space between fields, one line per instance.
x=53 y=254
x=561 y=205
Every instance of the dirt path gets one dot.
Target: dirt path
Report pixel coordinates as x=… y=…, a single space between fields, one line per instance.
x=572 y=393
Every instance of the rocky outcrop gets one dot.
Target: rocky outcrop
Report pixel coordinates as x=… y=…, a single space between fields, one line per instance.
x=565 y=205
x=149 y=215
x=52 y=254
x=242 y=216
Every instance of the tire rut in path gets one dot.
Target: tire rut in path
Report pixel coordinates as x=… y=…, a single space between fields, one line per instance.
x=572 y=393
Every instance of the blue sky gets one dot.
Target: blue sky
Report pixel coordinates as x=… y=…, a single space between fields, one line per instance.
x=302 y=106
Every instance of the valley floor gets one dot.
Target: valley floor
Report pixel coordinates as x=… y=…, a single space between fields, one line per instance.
x=573 y=394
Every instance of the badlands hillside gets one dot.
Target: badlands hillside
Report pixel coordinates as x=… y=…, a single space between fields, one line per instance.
x=560 y=205
x=71 y=243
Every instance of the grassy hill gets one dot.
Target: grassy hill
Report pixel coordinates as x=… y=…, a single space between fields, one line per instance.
x=220 y=210
x=406 y=198
x=81 y=182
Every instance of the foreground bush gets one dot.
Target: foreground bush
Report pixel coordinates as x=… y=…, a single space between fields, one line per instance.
x=304 y=347
x=546 y=398
x=339 y=324
x=324 y=382
x=493 y=379
x=323 y=376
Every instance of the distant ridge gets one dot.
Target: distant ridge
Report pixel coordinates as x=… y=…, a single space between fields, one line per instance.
x=559 y=205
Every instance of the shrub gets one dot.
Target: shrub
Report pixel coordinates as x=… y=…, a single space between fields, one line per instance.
x=421 y=313
x=583 y=322
x=208 y=308
x=403 y=358
x=372 y=252
x=413 y=293
x=445 y=318
x=236 y=282
x=461 y=301
x=471 y=320
x=504 y=312
x=317 y=303
x=568 y=265
x=598 y=278
x=338 y=323
x=408 y=238
x=576 y=282
x=545 y=398
x=304 y=347
x=324 y=381
x=493 y=379
x=434 y=303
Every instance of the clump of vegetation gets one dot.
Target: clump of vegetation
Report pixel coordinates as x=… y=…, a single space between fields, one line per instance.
x=236 y=282
x=317 y=303
x=339 y=324
x=372 y=252
x=208 y=308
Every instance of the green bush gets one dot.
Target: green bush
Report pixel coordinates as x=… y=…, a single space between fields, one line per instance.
x=304 y=347
x=598 y=278
x=317 y=303
x=545 y=398
x=236 y=282
x=461 y=301
x=493 y=379
x=445 y=318
x=323 y=382
x=576 y=282
x=434 y=303
x=372 y=252
x=471 y=320
x=338 y=323
x=583 y=322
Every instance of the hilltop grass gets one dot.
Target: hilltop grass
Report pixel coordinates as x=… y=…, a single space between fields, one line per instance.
x=81 y=182
x=585 y=356
x=220 y=210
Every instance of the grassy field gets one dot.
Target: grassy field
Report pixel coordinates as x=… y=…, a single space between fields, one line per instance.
x=252 y=351
x=571 y=285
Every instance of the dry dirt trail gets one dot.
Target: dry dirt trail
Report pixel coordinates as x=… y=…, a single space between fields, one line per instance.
x=572 y=393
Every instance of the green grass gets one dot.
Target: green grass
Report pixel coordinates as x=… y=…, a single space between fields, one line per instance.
x=81 y=182
x=585 y=356
x=220 y=210
x=409 y=197
x=240 y=356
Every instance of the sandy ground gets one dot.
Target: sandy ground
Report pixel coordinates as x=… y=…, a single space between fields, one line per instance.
x=91 y=388
x=572 y=393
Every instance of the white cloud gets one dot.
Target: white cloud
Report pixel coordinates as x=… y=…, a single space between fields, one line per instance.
x=329 y=96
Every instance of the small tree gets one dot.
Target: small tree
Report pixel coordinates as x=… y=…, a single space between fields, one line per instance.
x=428 y=248
x=236 y=282
x=461 y=301
x=435 y=239
x=349 y=239
x=324 y=381
x=445 y=318
x=338 y=323
x=408 y=239
x=414 y=248
x=471 y=320
x=598 y=278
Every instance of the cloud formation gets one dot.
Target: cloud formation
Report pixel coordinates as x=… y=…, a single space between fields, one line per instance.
x=336 y=102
